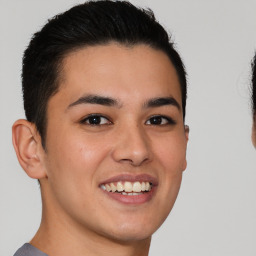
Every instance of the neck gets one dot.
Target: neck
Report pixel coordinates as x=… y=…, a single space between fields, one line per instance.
x=59 y=235
x=66 y=241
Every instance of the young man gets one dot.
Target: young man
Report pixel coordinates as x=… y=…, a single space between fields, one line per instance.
x=105 y=97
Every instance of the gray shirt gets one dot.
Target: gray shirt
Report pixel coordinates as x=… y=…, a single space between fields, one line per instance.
x=29 y=250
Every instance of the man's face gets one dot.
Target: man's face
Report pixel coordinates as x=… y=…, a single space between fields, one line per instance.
x=115 y=124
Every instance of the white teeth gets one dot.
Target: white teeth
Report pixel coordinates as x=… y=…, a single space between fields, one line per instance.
x=143 y=186
x=113 y=187
x=120 y=187
x=108 y=188
x=127 y=188
x=136 y=187
x=147 y=188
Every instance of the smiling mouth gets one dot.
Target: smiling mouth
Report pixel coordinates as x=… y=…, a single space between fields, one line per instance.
x=127 y=187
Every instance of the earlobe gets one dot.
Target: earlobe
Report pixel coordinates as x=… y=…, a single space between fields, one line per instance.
x=186 y=128
x=27 y=144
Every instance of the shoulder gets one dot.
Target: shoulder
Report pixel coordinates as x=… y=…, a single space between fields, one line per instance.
x=29 y=250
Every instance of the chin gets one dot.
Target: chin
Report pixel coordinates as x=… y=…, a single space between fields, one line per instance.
x=131 y=231
x=127 y=236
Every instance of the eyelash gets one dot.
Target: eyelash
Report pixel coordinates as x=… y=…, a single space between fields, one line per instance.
x=92 y=117
x=169 y=121
x=97 y=118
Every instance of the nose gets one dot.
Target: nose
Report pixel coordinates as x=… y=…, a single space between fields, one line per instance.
x=133 y=146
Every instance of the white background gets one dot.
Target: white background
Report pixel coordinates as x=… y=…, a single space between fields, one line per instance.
x=215 y=214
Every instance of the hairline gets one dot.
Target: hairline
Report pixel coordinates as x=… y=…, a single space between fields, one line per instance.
x=59 y=71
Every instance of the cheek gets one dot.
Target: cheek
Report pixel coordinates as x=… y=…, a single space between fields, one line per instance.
x=171 y=152
x=73 y=167
x=74 y=159
x=172 y=158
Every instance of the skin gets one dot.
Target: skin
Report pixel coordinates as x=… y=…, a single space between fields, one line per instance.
x=79 y=218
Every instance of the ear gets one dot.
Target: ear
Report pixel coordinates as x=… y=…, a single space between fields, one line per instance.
x=186 y=130
x=186 y=127
x=27 y=144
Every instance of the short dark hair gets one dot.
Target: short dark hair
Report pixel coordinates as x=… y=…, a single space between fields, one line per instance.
x=88 y=24
x=254 y=86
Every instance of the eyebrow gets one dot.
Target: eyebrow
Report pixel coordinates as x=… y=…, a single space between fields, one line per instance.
x=162 y=101
x=110 y=102
x=96 y=99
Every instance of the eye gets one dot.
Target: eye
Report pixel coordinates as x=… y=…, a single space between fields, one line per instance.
x=95 y=119
x=160 y=120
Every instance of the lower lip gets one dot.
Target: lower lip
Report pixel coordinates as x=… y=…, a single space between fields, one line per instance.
x=134 y=199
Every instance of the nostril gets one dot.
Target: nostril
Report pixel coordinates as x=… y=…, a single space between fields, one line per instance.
x=139 y=162
x=132 y=147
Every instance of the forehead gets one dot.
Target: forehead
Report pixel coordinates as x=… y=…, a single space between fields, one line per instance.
x=120 y=71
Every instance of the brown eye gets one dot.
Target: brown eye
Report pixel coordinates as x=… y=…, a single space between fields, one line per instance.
x=95 y=120
x=159 y=120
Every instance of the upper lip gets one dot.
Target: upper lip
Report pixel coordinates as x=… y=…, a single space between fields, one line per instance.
x=132 y=178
